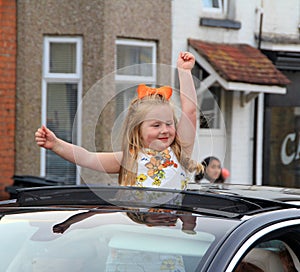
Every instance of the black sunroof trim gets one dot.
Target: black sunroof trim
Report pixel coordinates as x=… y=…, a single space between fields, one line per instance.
x=207 y=202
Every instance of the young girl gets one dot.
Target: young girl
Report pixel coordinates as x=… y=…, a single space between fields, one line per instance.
x=155 y=148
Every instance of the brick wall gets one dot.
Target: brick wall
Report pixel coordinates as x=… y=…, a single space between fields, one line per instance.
x=7 y=93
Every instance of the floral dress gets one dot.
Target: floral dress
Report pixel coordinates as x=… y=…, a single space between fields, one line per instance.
x=155 y=170
x=160 y=169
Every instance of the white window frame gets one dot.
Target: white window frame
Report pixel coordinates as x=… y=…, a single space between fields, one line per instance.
x=198 y=73
x=49 y=77
x=215 y=131
x=137 y=79
x=222 y=9
x=124 y=78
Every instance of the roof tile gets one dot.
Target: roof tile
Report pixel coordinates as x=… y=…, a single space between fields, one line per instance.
x=240 y=63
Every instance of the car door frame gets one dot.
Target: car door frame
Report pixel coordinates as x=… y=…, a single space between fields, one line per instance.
x=228 y=255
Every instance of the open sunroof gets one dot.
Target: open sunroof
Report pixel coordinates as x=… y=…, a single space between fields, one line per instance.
x=196 y=201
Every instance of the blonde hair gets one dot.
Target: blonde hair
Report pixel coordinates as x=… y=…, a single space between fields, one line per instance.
x=132 y=142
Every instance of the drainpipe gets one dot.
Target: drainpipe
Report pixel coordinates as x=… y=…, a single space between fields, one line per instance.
x=261 y=17
x=258 y=123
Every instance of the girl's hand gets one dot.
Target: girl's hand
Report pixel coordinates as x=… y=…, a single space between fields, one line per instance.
x=185 y=61
x=44 y=137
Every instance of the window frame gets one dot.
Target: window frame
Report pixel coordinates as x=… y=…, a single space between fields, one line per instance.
x=130 y=79
x=263 y=232
x=215 y=132
x=200 y=73
x=48 y=77
x=222 y=9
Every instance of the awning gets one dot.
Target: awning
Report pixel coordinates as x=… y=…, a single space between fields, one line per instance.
x=237 y=67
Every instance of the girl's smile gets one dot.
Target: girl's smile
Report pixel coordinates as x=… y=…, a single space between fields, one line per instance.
x=158 y=128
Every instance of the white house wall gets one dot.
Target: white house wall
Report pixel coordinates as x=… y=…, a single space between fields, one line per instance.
x=241 y=141
x=186 y=24
x=249 y=16
x=281 y=23
x=276 y=14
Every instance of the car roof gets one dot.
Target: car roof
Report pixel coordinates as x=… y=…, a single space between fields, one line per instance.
x=219 y=201
x=273 y=193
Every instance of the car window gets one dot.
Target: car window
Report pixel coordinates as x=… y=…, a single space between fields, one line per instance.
x=270 y=256
x=111 y=241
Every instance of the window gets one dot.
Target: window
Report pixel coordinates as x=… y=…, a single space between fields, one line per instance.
x=209 y=101
x=273 y=255
x=209 y=109
x=61 y=91
x=135 y=64
x=284 y=146
x=215 y=5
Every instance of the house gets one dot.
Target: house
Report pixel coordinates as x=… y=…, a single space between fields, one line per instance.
x=7 y=93
x=79 y=62
x=248 y=57
x=71 y=59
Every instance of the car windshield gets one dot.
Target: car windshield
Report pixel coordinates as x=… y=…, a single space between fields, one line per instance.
x=105 y=239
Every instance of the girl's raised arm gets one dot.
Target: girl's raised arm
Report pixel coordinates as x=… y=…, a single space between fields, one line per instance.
x=188 y=98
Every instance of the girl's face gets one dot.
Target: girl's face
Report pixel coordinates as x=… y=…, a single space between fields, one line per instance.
x=158 y=128
x=213 y=170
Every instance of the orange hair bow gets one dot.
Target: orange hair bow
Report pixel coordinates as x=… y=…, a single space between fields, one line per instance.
x=144 y=90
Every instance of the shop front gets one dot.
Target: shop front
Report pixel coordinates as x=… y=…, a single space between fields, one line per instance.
x=281 y=159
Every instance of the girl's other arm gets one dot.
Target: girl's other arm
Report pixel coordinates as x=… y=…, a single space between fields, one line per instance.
x=105 y=162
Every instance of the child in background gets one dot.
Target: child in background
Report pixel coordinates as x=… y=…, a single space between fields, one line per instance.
x=213 y=172
x=156 y=149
